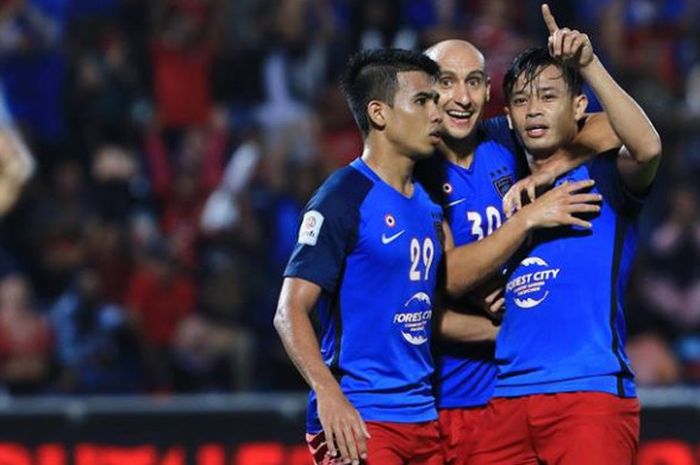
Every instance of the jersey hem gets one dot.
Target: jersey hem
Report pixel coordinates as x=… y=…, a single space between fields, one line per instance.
x=608 y=384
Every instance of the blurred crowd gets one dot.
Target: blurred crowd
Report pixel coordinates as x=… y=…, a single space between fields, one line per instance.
x=176 y=142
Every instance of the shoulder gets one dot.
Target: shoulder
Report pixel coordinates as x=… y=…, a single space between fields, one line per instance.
x=493 y=128
x=604 y=170
x=495 y=136
x=345 y=188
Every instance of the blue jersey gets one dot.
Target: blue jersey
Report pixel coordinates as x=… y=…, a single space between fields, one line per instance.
x=375 y=253
x=472 y=201
x=564 y=328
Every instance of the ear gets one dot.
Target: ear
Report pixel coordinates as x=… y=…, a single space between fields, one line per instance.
x=377 y=113
x=488 y=89
x=580 y=105
x=510 y=121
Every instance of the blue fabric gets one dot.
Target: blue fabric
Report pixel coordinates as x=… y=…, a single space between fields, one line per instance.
x=472 y=202
x=564 y=327
x=376 y=256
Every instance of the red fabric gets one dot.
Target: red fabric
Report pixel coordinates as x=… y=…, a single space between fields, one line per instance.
x=180 y=223
x=34 y=338
x=160 y=304
x=157 y=155
x=182 y=84
x=161 y=172
x=341 y=146
x=390 y=444
x=567 y=429
x=457 y=428
x=213 y=163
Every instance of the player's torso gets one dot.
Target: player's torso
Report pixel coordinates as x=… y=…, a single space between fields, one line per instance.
x=563 y=328
x=385 y=303
x=472 y=202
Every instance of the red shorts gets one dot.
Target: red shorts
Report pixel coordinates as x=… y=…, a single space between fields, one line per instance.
x=390 y=444
x=457 y=427
x=578 y=428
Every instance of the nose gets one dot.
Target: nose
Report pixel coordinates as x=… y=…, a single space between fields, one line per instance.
x=461 y=95
x=533 y=107
x=435 y=114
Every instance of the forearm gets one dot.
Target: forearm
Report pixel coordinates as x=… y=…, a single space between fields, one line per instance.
x=626 y=117
x=460 y=327
x=468 y=265
x=300 y=342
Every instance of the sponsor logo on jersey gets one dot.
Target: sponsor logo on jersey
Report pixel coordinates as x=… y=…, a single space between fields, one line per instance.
x=529 y=286
x=413 y=319
x=310 y=227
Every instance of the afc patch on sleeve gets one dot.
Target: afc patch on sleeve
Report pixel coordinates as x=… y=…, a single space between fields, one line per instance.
x=310 y=227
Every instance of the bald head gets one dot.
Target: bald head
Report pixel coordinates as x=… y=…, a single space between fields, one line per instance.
x=463 y=86
x=452 y=49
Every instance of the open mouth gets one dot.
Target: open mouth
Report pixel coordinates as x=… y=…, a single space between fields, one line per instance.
x=460 y=115
x=536 y=130
x=435 y=137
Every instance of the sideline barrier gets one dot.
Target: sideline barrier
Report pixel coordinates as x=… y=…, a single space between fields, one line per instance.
x=256 y=429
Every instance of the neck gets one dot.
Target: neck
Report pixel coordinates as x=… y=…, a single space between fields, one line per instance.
x=549 y=161
x=390 y=165
x=459 y=151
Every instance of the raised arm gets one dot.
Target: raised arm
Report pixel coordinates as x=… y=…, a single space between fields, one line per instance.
x=639 y=158
x=345 y=431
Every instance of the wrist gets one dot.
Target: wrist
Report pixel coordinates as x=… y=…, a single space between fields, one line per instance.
x=522 y=221
x=326 y=388
x=591 y=66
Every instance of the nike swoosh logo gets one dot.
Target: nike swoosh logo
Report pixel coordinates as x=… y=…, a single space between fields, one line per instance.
x=386 y=240
x=456 y=202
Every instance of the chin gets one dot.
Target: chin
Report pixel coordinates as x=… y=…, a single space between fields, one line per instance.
x=459 y=133
x=424 y=154
x=540 y=150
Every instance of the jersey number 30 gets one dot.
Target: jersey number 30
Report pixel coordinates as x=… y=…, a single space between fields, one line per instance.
x=493 y=219
x=421 y=255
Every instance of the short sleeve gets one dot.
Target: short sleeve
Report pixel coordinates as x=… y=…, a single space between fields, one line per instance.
x=328 y=230
x=609 y=182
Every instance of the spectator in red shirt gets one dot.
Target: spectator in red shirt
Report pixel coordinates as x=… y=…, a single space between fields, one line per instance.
x=159 y=296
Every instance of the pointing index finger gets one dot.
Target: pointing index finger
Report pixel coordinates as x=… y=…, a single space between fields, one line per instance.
x=549 y=19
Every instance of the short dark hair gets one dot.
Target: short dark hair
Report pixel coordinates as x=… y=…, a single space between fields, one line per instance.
x=530 y=63
x=371 y=75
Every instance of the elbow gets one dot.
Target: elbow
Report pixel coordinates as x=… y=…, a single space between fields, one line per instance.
x=651 y=150
x=657 y=149
x=280 y=320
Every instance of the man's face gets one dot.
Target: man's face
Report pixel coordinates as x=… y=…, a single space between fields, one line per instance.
x=413 y=121
x=464 y=89
x=543 y=112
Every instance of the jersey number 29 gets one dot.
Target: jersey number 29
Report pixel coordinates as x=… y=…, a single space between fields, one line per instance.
x=421 y=255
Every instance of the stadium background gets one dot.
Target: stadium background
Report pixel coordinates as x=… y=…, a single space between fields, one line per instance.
x=176 y=142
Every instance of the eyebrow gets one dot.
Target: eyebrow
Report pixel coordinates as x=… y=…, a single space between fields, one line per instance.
x=432 y=95
x=478 y=73
x=538 y=89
